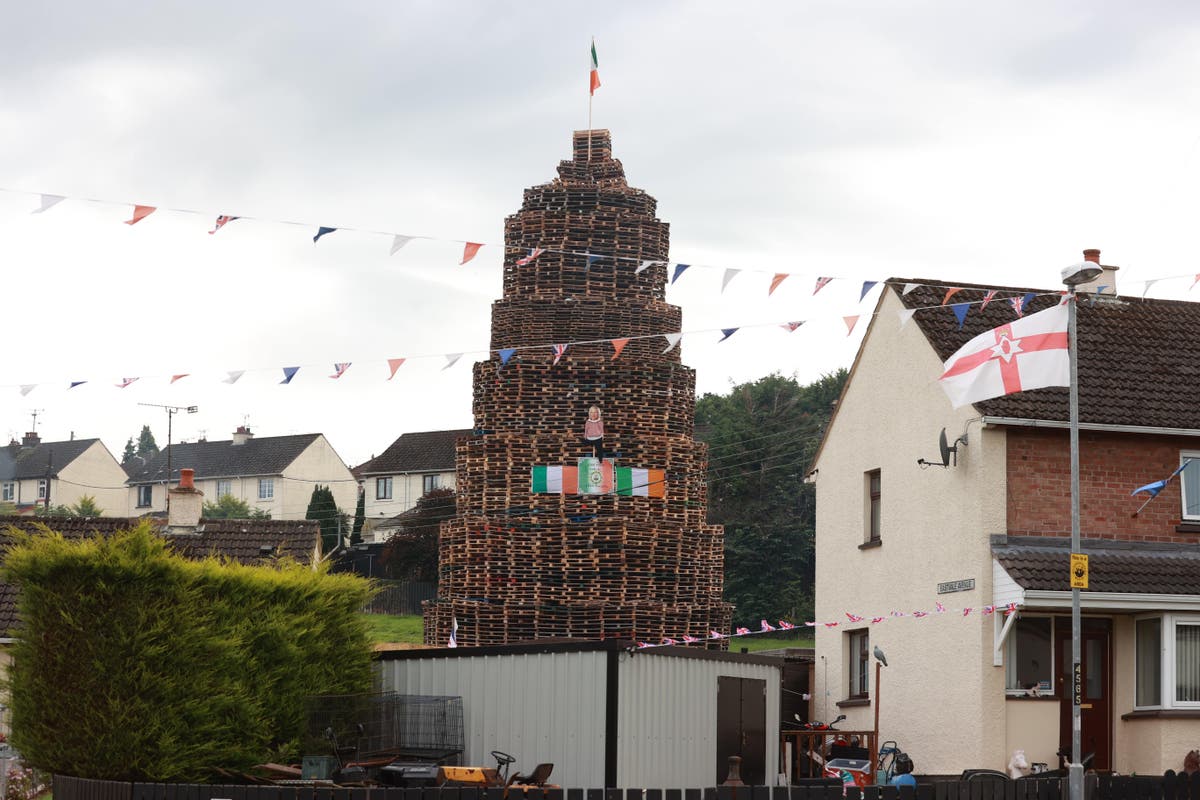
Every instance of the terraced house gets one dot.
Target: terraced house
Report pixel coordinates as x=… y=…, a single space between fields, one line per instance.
x=898 y=533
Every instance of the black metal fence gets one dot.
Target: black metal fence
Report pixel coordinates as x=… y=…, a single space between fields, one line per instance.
x=401 y=597
x=1167 y=787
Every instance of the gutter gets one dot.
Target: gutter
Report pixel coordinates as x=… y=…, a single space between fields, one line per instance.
x=1114 y=601
x=1154 y=430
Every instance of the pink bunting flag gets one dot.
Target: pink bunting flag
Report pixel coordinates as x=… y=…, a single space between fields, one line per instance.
x=989 y=610
x=810 y=624
x=831 y=624
x=469 y=251
x=1193 y=286
x=643 y=645
x=534 y=253
x=339 y=369
x=618 y=346
x=179 y=376
x=1010 y=609
x=742 y=632
x=850 y=323
x=689 y=639
x=669 y=641
x=716 y=635
x=790 y=327
x=393 y=365
x=950 y=293
x=784 y=625
x=919 y=614
x=766 y=626
x=898 y=614
x=140 y=213
x=559 y=351
x=222 y=221
x=877 y=620
x=821 y=283
x=966 y=612
x=125 y=382
x=853 y=617
x=987 y=298
x=779 y=278
x=941 y=609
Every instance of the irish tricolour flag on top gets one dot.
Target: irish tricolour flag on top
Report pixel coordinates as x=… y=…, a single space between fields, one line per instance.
x=1028 y=353
x=595 y=77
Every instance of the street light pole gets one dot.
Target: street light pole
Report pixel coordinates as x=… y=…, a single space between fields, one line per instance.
x=171 y=412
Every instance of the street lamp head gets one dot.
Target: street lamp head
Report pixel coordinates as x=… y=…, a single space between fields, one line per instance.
x=1083 y=272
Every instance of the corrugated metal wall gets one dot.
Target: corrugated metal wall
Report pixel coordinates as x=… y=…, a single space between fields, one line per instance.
x=667 y=719
x=537 y=707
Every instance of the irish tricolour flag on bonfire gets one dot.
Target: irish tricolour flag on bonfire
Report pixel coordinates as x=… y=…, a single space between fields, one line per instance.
x=1028 y=353
x=594 y=476
x=595 y=78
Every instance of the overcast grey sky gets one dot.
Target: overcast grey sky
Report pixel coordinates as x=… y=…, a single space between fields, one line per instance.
x=943 y=140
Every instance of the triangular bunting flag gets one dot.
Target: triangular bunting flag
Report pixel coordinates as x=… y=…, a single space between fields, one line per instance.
x=470 y=249
x=451 y=360
x=533 y=253
x=728 y=332
x=321 y=231
x=125 y=382
x=618 y=346
x=1193 y=286
x=289 y=373
x=867 y=286
x=790 y=327
x=506 y=354
x=672 y=341
x=75 y=383
x=908 y=287
x=1149 y=283
x=647 y=264
x=140 y=213
x=960 y=312
x=730 y=274
x=27 y=388
x=339 y=369
x=48 y=201
x=779 y=278
x=179 y=375
x=591 y=259
x=221 y=222
x=821 y=284
x=905 y=315
x=398 y=243
x=679 y=268
x=850 y=323
x=234 y=375
x=987 y=298
x=950 y=293
x=559 y=351
x=393 y=365
x=1019 y=303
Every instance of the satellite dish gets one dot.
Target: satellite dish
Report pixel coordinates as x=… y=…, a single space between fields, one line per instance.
x=944 y=448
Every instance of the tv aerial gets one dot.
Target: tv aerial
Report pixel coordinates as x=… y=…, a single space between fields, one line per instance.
x=946 y=450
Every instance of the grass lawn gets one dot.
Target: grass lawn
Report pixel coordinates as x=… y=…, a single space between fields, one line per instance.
x=408 y=629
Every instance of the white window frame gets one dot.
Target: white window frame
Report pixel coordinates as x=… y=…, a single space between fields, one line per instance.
x=1167 y=675
x=224 y=487
x=148 y=488
x=43 y=486
x=266 y=488
x=383 y=488
x=431 y=482
x=8 y=493
x=1183 y=503
x=1010 y=656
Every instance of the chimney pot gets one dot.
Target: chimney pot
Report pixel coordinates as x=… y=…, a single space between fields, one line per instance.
x=187 y=478
x=242 y=435
x=1106 y=279
x=1092 y=255
x=31 y=439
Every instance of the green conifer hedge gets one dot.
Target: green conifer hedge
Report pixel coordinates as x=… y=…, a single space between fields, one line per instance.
x=133 y=663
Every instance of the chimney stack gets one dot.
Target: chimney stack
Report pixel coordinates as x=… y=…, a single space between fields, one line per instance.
x=31 y=439
x=1107 y=279
x=184 y=504
x=242 y=435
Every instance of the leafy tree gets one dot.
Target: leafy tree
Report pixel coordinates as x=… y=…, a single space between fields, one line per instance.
x=130 y=452
x=230 y=507
x=412 y=551
x=762 y=437
x=146 y=446
x=86 y=507
x=360 y=517
x=323 y=508
x=40 y=510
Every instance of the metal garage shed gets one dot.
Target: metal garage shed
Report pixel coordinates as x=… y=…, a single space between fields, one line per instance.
x=605 y=713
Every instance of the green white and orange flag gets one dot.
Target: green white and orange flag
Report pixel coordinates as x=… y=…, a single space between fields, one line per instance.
x=595 y=69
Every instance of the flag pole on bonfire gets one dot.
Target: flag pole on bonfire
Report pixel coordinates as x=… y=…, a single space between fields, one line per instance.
x=593 y=85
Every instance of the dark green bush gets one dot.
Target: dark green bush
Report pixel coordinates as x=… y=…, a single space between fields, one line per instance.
x=133 y=663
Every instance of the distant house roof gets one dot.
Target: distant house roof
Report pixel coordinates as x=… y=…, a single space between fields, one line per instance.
x=1113 y=566
x=44 y=460
x=248 y=541
x=268 y=455
x=426 y=451
x=1139 y=359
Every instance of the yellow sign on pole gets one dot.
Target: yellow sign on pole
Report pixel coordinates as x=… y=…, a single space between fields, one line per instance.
x=1079 y=571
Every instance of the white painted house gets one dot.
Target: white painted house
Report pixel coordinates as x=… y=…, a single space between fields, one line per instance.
x=33 y=473
x=414 y=465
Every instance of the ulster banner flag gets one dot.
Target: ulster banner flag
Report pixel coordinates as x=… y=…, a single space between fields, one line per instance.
x=1029 y=353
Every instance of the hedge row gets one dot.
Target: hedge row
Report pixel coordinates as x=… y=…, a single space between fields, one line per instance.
x=134 y=663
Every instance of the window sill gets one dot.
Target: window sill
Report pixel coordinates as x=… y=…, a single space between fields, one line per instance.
x=853 y=702
x=1024 y=697
x=871 y=544
x=1163 y=713
x=1188 y=527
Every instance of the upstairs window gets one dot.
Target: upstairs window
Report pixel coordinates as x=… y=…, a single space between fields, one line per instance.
x=224 y=488
x=432 y=482
x=383 y=488
x=266 y=488
x=873 y=505
x=145 y=495
x=1189 y=485
x=43 y=488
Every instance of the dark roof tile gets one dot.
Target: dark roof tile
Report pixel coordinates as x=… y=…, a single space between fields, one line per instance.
x=426 y=451
x=22 y=463
x=269 y=455
x=1170 y=570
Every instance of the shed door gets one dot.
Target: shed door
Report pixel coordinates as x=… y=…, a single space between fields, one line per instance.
x=742 y=727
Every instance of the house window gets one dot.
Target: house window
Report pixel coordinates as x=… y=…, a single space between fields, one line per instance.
x=266 y=488
x=43 y=487
x=145 y=495
x=224 y=488
x=383 y=488
x=1029 y=660
x=873 y=505
x=1167 y=662
x=432 y=482
x=859 y=661
x=1189 y=482
x=8 y=493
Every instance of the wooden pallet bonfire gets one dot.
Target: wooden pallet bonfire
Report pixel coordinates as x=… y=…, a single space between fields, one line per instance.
x=517 y=565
